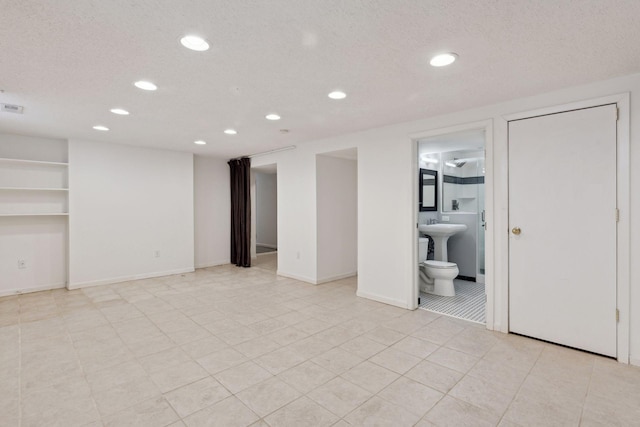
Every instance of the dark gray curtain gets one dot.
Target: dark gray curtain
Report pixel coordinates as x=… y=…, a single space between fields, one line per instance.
x=240 y=211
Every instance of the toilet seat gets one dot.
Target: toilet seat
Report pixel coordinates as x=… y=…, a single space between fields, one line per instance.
x=440 y=264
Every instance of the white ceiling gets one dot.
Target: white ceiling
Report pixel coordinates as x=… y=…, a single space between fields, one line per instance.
x=68 y=62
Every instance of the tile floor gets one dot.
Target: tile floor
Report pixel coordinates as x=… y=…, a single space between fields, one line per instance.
x=227 y=346
x=467 y=304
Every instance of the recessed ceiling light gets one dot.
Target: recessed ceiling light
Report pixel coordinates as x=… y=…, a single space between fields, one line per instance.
x=195 y=43
x=230 y=131
x=100 y=127
x=200 y=142
x=337 y=95
x=119 y=111
x=272 y=117
x=145 y=85
x=443 y=59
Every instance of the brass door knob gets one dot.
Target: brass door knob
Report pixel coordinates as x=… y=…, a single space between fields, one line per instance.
x=516 y=230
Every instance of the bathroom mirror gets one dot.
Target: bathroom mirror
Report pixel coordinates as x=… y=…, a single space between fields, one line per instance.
x=428 y=184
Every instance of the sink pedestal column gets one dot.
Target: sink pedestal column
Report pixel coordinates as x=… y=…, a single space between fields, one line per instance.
x=440 y=248
x=440 y=234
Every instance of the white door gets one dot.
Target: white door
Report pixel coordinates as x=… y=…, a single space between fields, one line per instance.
x=562 y=244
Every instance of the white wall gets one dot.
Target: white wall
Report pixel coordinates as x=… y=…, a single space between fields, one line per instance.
x=385 y=172
x=386 y=189
x=212 y=211
x=337 y=218
x=42 y=243
x=296 y=211
x=266 y=212
x=33 y=148
x=126 y=203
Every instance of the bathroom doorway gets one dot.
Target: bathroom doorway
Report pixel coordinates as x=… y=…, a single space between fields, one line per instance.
x=451 y=224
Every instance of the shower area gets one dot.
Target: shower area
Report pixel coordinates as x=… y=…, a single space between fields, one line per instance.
x=463 y=198
x=458 y=163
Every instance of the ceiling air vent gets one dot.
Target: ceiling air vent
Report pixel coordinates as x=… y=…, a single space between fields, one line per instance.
x=10 y=108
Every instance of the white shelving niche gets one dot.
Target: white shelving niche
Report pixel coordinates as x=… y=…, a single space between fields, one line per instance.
x=33 y=214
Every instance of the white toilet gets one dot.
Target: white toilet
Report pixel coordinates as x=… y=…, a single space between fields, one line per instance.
x=436 y=277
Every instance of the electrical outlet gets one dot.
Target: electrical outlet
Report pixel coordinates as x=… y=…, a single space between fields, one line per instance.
x=22 y=264
x=445 y=218
x=156 y=254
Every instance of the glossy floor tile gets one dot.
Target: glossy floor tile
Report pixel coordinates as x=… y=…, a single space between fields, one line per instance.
x=229 y=346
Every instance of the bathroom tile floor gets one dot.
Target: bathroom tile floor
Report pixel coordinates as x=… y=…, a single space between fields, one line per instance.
x=228 y=346
x=467 y=304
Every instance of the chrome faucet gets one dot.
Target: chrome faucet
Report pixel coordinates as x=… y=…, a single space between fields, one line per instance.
x=433 y=221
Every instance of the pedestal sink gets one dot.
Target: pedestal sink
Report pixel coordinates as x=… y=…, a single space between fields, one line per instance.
x=440 y=234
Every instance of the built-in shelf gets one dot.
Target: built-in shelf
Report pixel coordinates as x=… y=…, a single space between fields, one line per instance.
x=32 y=189
x=32 y=162
x=39 y=185
x=35 y=214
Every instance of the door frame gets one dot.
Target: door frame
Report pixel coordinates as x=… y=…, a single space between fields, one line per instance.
x=623 y=202
x=490 y=285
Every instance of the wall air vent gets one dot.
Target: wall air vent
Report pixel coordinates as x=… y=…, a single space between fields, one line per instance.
x=10 y=108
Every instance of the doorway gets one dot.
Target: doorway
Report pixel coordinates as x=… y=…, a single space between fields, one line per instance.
x=455 y=163
x=563 y=228
x=264 y=230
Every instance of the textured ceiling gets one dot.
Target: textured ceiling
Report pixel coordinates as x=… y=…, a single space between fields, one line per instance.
x=69 y=61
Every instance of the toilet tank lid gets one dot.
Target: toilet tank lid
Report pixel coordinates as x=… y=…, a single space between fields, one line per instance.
x=440 y=264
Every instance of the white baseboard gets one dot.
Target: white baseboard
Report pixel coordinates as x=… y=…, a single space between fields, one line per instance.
x=316 y=281
x=213 y=263
x=267 y=245
x=264 y=253
x=633 y=361
x=127 y=278
x=295 y=276
x=497 y=327
x=336 y=277
x=380 y=298
x=4 y=293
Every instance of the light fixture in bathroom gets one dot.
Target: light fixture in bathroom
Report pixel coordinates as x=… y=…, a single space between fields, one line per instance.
x=119 y=111
x=458 y=163
x=443 y=59
x=272 y=116
x=200 y=142
x=100 y=127
x=429 y=160
x=230 y=131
